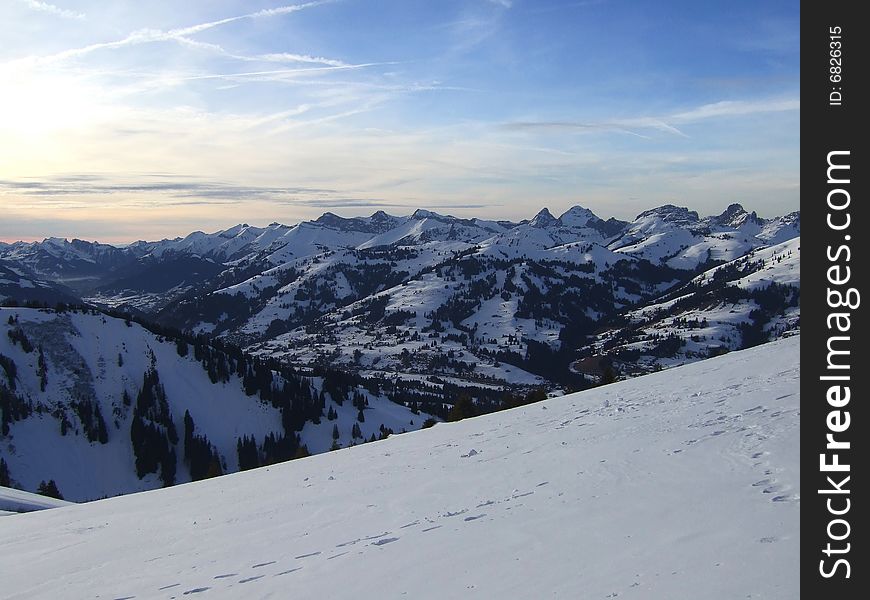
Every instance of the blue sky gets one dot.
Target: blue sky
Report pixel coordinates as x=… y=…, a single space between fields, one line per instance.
x=127 y=120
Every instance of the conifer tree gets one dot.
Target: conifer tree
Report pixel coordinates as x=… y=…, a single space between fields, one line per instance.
x=188 y=435
x=462 y=409
x=42 y=369
x=167 y=469
x=4 y=471
x=49 y=488
x=102 y=430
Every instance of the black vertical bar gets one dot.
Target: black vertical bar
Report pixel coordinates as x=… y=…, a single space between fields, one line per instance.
x=833 y=102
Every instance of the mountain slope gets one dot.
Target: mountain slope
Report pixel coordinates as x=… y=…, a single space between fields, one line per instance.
x=673 y=485
x=75 y=387
x=741 y=303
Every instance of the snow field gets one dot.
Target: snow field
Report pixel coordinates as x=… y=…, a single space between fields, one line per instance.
x=681 y=484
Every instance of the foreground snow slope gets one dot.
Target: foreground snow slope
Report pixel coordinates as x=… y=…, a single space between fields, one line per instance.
x=680 y=484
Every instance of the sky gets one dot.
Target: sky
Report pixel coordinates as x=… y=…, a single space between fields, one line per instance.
x=130 y=120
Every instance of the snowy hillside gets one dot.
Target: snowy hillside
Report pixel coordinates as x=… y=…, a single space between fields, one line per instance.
x=741 y=303
x=75 y=386
x=682 y=484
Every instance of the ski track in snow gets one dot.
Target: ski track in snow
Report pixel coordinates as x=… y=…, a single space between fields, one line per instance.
x=679 y=484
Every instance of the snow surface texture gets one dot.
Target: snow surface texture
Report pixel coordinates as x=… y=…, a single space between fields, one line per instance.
x=681 y=484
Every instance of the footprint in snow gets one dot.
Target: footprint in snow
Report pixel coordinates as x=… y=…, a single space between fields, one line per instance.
x=196 y=591
x=784 y=498
x=385 y=541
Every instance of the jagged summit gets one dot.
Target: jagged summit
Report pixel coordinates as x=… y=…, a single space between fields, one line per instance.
x=353 y=224
x=422 y=213
x=380 y=215
x=544 y=218
x=736 y=216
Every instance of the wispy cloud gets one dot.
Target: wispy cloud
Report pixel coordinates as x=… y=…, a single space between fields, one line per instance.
x=251 y=74
x=82 y=191
x=735 y=108
x=51 y=9
x=145 y=36
x=89 y=185
x=565 y=6
x=729 y=108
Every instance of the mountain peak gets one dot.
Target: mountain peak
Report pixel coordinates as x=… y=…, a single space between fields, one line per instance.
x=679 y=215
x=544 y=218
x=577 y=216
x=328 y=218
x=735 y=216
x=422 y=213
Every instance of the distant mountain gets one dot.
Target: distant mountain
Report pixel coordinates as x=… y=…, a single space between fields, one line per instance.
x=18 y=284
x=681 y=239
x=479 y=300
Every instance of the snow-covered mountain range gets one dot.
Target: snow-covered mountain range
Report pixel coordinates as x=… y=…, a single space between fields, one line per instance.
x=682 y=484
x=479 y=300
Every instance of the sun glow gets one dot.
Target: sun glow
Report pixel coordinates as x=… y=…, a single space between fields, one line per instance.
x=42 y=104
